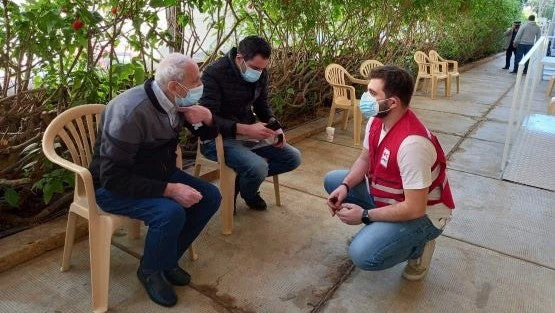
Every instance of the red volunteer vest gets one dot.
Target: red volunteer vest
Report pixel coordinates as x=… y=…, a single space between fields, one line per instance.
x=384 y=175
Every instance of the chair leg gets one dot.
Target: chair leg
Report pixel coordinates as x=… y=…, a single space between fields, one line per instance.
x=416 y=84
x=426 y=85
x=99 y=241
x=134 y=229
x=448 y=87
x=550 y=85
x=434 y=87
x=227 y=187
x=197 y=169
x=276 y=190
x=357 y=121
x=192 y=253
x=345 y=119
x=458 y=83
x=70 y=239
x=332 y=115
x=551 y=108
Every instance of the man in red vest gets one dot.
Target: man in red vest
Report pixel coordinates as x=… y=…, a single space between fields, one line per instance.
x=397 y=187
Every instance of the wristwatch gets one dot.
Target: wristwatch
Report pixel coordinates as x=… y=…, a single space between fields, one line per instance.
x=365 y=219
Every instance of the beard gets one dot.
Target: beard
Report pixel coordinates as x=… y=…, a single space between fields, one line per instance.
x=384 y=109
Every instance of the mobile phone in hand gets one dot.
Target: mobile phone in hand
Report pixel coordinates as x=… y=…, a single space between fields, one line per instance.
x=273 y=124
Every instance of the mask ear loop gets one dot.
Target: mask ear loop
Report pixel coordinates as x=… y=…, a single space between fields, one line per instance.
x=187 y=89
x=386 y=100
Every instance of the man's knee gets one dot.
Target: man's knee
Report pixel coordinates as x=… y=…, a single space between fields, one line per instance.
x=365 y=258
x=294 y=158
x=173 y=215
x=211 y=197
x=333 y=179
x=256 y=169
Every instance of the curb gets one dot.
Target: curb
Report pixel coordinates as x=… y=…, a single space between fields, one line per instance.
x=468 y=66
x=28 y=244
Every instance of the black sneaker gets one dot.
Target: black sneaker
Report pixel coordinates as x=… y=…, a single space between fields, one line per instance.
x=505 y=68
x=177 y=276
x=158 y=288
x=257 y=203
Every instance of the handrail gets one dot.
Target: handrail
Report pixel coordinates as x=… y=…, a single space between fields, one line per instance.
x=523 y=93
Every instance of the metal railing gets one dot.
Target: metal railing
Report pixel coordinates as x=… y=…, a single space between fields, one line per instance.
x=525 y=87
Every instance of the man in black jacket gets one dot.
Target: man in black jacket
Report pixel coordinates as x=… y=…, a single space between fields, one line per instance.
x=135 y=173
x=236 y=92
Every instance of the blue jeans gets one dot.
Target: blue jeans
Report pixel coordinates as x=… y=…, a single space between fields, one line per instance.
x=171 y=227
x=521 y=50
x=253 y=166
x=382 y=245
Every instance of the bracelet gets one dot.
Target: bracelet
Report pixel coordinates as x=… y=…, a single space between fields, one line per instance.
x=346 y=186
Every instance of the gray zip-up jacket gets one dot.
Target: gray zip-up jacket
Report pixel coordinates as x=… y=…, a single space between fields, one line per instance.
x=134 y=154
x=528 y=34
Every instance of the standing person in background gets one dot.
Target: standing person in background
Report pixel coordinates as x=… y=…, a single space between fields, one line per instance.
x=524 y=41
x=511 y=34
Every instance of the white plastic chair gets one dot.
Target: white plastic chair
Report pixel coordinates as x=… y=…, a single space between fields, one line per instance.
x=77 y=128
x=227 y=184
x=367 y=66
x=452 y=67
x=433 y=71
x=344 y=98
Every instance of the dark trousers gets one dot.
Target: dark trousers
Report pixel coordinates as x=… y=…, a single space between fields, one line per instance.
x=521 y=50
x=171 y=227
x=510 y=52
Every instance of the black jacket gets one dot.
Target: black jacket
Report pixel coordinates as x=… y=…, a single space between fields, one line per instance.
x=231 y=99
x=134 y=153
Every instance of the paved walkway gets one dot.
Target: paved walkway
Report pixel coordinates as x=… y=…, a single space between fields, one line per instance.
x=497 y=254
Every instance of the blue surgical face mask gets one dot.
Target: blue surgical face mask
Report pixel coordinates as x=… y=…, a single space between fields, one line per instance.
x=250 y=75
x=192 y=97
x=370 y=106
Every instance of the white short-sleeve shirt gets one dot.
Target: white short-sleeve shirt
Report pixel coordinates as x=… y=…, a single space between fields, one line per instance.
x=415 y=159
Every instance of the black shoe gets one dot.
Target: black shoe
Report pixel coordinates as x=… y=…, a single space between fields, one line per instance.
x=158 y=288
x=513 y=72
x=177 y=276
x=257 y=203
x=524 y=73
x=505 y=68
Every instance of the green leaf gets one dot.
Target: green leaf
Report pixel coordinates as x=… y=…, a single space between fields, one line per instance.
x=139 y=76
x=183 y=20
x=162 y=3
x=11 y=197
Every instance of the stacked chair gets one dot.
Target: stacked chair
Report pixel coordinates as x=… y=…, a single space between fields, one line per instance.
x=432 y=71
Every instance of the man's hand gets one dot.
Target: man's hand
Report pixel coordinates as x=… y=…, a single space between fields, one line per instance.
x=185 y=195
x=196 y=114
x=335 y=199
x=350 y=214
x=280 y=144
x=255 y=131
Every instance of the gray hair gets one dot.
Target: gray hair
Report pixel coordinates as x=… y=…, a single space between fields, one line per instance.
x=172 y=67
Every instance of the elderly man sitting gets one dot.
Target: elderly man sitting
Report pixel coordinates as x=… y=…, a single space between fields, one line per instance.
x=135 y=173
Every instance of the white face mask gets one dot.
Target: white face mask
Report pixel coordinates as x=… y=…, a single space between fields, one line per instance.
x=192 y=97
x=250 y=75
